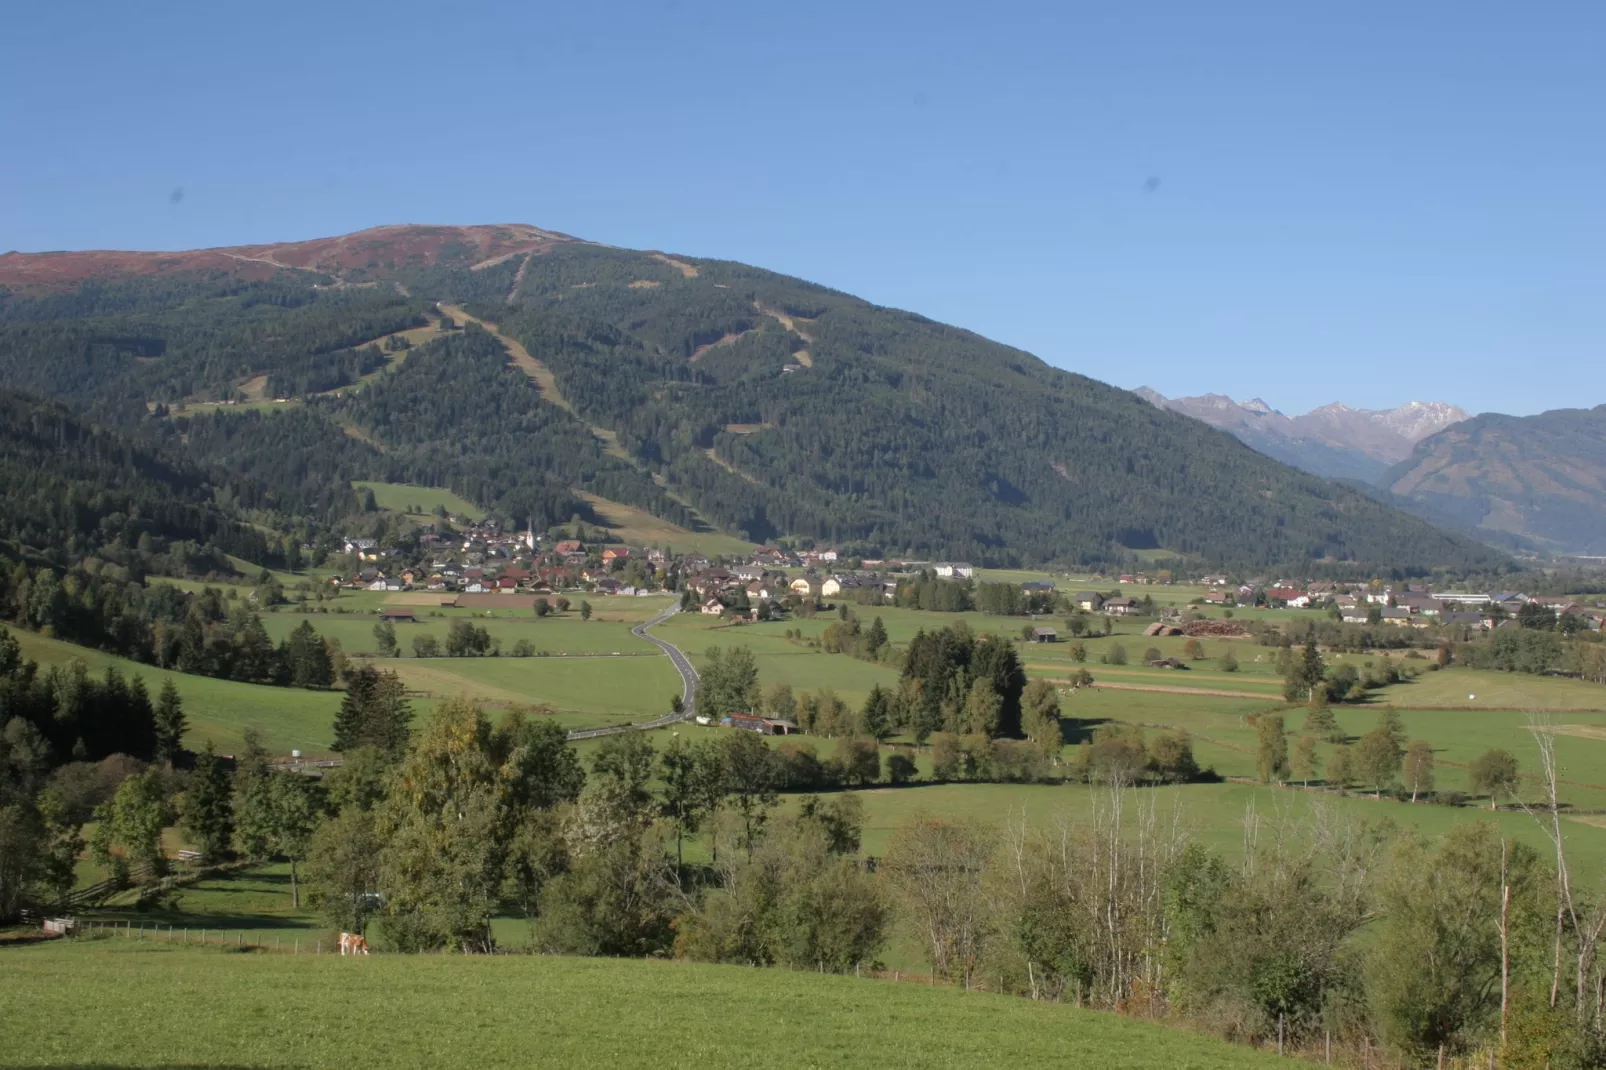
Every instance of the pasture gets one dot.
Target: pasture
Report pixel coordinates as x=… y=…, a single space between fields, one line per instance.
x=406 y=498
x=586 y=691
x=640 y=528
x=555 y=633
x=218 y=710
x=142 y=1004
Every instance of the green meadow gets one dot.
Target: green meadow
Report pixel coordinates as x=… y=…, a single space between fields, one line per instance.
x=586 y=691
x=406 y=498
x=132 y=1003
x=218 y=710
x=554 y=634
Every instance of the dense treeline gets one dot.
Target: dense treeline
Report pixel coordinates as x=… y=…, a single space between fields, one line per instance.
x=161 y=625
x=62 y=712
x=1542 y=643
x=70 y=490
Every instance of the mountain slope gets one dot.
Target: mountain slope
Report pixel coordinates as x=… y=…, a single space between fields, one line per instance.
x=71 y=490
x=1335 y=440
x=769 y=405
x=1539 y=478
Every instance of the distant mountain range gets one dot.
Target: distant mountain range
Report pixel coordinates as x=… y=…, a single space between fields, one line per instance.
x=1530 y=482
x=1334 y=441
x=1533 y=483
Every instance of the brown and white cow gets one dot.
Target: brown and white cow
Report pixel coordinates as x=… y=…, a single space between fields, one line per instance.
x=354 y=943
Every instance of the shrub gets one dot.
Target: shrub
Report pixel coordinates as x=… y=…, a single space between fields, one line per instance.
x=900 y=768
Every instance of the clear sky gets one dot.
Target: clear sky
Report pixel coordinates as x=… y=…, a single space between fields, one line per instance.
x=1368 y=202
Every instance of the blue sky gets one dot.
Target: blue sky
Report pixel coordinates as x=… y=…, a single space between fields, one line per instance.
x=1368 y=202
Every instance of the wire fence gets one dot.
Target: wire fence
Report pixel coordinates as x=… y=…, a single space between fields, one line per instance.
x=290 y=944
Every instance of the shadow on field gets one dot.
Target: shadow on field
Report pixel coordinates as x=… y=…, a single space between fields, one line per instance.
x=1074 y=730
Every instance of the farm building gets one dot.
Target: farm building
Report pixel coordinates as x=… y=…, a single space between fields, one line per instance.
x=768 y=726
x=397 y=615
x=1045 y=635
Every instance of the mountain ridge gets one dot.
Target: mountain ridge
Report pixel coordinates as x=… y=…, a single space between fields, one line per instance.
x=477 y=245
x=1333 y=440
x=816 y=414
x=1538 y=479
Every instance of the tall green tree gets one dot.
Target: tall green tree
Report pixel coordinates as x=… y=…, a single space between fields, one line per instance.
x=306 y=658
x=128 y=829
x=444 y=826
x=751 y=777
x=1418 y=768
x=385 y=639
x=373 y=713
x=1494 y=772
x=1306 y=764
x=1271 y=749
x=170 y=722
x=693 y=785
x=1040 y=717
x=876 y=716
x=342 y=869
x=729 y=683
x=208 y=806
x=1434 y=971
x=1377 y=759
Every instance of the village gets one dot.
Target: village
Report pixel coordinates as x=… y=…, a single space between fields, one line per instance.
x=483 y=565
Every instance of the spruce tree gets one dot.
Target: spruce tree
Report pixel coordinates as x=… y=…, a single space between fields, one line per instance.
x=374 y=713
x=170 y=722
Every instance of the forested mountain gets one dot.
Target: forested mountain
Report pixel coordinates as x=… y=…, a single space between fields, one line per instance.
x=70 y=490
x=1539 y=480
x=767 y=405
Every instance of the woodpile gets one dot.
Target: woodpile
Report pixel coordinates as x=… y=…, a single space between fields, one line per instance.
x=1217 y=629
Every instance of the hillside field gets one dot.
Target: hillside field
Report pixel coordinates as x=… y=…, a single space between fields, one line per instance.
x=139 y=1004
x=218 y=710
x=405 y=498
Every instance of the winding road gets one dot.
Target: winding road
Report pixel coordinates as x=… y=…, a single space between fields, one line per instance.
x=688 y=685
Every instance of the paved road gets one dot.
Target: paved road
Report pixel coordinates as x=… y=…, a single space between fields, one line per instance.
x=688 y=684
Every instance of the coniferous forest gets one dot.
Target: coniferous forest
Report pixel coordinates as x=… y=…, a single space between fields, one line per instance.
x=759 y=404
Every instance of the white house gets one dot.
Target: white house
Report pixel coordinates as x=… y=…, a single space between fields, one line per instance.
x=951 y=570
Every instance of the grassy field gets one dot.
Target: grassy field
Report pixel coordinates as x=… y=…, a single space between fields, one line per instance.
x=780 y=660
x=139 y=1004
x=218 y=710
x=555 y=634
x=405 y=498
x=639 y=528
x=1211 y=813
x=586 y=691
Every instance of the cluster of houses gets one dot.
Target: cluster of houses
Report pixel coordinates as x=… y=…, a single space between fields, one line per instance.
x=484 y=560
x=1410 y=605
